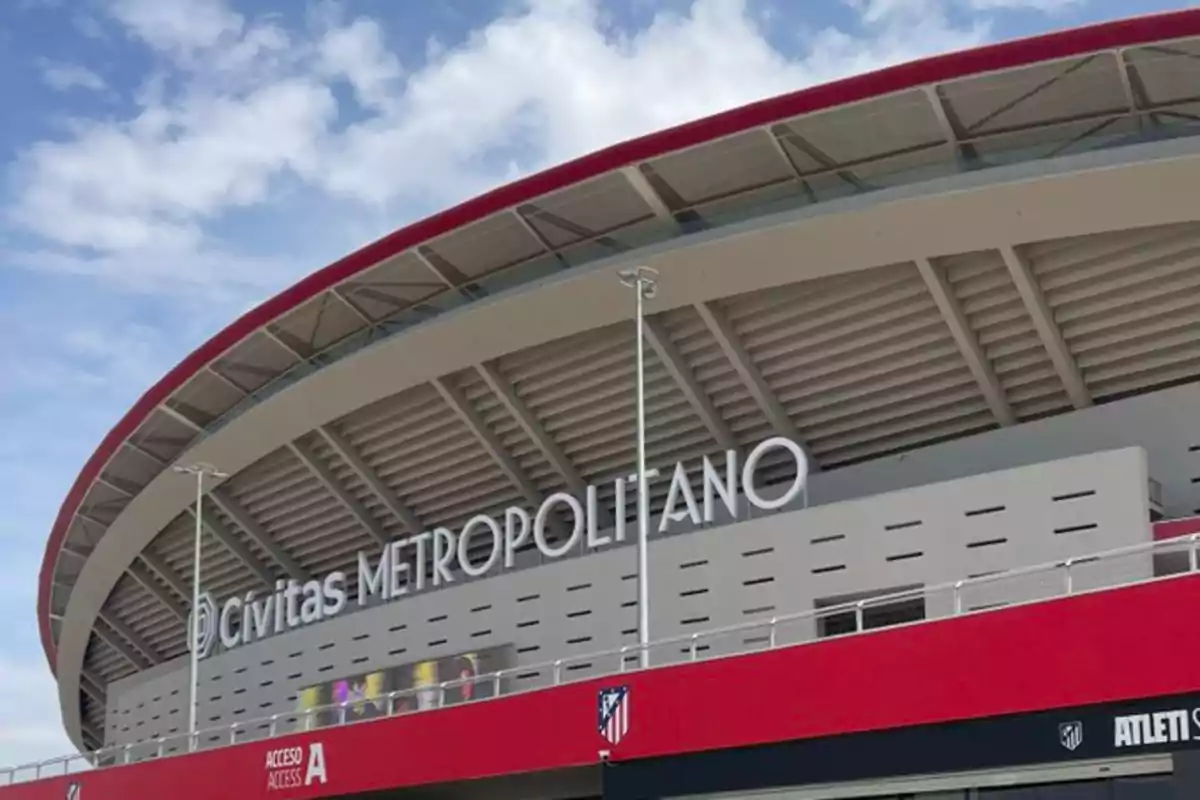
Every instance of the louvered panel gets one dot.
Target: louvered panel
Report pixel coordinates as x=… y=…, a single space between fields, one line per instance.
x=296 y=508
x=132 y=604
x=257 y=480
x=222 y=573
x=1006 y=334
x=716 y=376
x=855 y=356
x=585 y=396
x=425 y=453
x=1127 y=305
x=516 y=442
x=106 y=661
x=937 y=426
x=346 y=477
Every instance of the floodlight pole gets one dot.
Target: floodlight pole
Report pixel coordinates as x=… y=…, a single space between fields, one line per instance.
x=644 y=281
x=199 y=471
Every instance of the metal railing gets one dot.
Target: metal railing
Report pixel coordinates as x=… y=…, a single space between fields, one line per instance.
x=1105 y=570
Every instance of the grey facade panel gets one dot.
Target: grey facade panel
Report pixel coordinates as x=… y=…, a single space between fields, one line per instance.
x=717 y=576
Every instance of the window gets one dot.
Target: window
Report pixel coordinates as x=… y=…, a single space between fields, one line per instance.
x=875 y=613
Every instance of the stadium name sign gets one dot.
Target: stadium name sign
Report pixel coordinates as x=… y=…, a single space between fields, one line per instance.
x=389 y=574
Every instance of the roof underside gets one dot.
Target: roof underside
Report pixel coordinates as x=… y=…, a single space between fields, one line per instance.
x=857 y=365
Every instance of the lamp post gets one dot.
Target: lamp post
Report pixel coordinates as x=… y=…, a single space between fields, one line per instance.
x=644 y=281
x=198 y=471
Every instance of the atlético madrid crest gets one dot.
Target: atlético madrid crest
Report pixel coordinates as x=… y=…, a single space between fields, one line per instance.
x=613 y=718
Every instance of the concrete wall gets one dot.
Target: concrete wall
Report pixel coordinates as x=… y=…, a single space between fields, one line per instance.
x=722 y=575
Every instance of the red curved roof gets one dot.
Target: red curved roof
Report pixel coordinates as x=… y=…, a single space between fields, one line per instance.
x=938 y=69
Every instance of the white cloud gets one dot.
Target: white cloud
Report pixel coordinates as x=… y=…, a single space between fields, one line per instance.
x=245 y=106
x=64 y=77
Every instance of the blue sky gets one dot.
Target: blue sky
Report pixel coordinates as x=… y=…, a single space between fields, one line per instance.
x=164 y=164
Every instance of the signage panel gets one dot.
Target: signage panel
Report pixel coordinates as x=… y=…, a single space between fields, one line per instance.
x=387 y=574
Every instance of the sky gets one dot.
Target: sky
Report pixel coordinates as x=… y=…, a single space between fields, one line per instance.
x=166 y=164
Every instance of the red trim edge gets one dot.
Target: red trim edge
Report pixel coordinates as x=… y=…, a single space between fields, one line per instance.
x=1110 y=646
x=991 y=58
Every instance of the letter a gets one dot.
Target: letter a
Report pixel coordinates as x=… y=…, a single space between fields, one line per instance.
x=316 y=765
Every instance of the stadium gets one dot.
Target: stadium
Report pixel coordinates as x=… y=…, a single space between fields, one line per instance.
x=921 y=383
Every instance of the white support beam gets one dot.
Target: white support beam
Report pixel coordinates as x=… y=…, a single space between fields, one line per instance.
x=1047 y=329
x=254 y=531
x=121 y=490
x=1127 y=82
x=168 y=575
x=537 y=235
x=967 y=341
x=227 y=381
x=103 y=526
x=93 y=687
x=475 y=423
x=367 y=475
x=145 y=577
x=517 y=409
x=131 y=636
x=354 y=309
x=942 y=116
x=671 y=359
x=645 y=191
x=429 y=265
x=324 y=474
x=73 y=552
x=722 y=330
x=180 y=417
x=279 y=340
x=110 y=637
x=146 y=454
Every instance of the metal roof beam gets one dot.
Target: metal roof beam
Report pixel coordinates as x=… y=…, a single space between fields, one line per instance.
x=225 y=379
x=112 y=483
x=91 y=733
x=93 y=686
x=650 y=196
x=180 y=417
x=1047 y=329
x=1030 y=93
x=370 y=477
x=238 y=548
x=446 y=272
x=517 y=409
x=354 y=309
x=324 y=474
x=475 y=423
x=673 y=361
x=110 y=637
x=143 y=575
x=783 y=132
x=952 y=128
x=144 y=453
x=722 y=330
x=255 y=532
x=782 y=152
x=286 y=345
x=130 y=635
x=539 y=237
x=167 y=574
x=967 y=341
